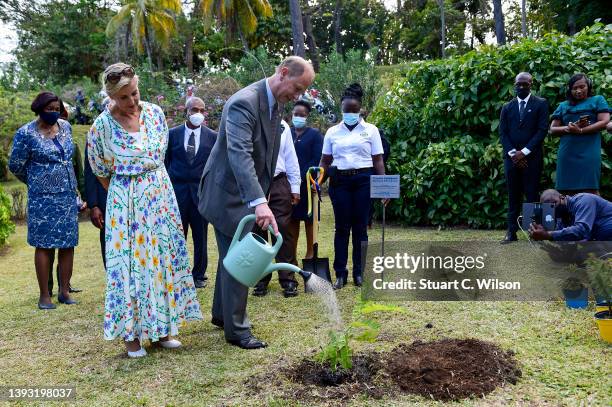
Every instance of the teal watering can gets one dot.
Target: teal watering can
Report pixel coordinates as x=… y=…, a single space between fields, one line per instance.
x=249 y=259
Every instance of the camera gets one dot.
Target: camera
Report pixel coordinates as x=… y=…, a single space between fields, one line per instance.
x=540 y=214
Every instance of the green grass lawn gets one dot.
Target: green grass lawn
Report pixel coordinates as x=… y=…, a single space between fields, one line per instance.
x=561 y=356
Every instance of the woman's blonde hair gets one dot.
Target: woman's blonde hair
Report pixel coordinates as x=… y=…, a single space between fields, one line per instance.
x=117 y=70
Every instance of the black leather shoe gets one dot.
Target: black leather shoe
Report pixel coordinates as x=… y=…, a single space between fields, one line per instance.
x=358 y=281
x=200 y=283
x=509 y=238
x=249 y=342
x=217 y=322
x=72 y=289
x=67 y=301
x=290 y=290
x=260 y=290
x=340 y=282
x=46 y=306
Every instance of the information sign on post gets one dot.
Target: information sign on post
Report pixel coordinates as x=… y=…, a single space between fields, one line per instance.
x=384 y=187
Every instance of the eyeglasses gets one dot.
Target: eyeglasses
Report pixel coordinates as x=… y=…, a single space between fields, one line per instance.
x=114 y=77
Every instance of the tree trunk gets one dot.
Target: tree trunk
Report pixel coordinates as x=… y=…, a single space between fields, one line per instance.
x=498 y=15
x=297 y=28
x=399 y=6
x=311 y=41
x=189 y=49
x=442 y=29
x=523 y=18
x=147 y=43
x=337 y=24
x=571 y=24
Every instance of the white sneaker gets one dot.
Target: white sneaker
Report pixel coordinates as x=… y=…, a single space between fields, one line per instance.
x=170 y=344
x=140 y=353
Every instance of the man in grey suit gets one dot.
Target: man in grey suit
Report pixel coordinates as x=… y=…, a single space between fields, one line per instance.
x=237 y=179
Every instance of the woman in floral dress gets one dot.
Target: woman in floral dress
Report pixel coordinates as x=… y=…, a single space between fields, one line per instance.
x=150 y=291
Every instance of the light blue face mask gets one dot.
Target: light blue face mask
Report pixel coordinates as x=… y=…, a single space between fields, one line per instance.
x=298 y=122
x=350 y=119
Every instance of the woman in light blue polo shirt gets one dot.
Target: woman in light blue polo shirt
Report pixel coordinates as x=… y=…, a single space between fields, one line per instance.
x=355 y=149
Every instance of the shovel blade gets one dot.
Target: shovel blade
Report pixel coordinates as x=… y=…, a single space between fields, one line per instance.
x=318 y=266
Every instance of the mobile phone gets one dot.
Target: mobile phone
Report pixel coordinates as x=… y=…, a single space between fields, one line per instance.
x=584 y=118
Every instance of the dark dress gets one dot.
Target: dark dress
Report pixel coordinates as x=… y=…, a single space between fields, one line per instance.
x=579 y=156
x=308 y=148
x=45 y=165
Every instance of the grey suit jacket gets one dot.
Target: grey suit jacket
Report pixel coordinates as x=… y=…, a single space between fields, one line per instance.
x=241 y=164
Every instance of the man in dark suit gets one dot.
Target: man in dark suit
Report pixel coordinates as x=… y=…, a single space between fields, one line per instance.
x=189 y=147
x=237 y=179
x=96 y=201
x=523 y=124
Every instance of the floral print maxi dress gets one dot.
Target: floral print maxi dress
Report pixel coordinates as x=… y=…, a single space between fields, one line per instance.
x=150 y=290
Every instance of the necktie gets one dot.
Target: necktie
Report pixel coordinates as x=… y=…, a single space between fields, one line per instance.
x=522 y=109
x=191 y=148
x=275 y=119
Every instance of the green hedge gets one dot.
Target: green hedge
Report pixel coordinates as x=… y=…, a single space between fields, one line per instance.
x=442 y=117
x=6 y=226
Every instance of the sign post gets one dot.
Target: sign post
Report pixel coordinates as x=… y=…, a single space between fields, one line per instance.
x=384 y=187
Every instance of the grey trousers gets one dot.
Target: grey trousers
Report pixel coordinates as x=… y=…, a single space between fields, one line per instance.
x=230 y=298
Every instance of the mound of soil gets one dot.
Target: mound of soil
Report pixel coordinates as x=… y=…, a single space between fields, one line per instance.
x=451 y=369
x=342 y=383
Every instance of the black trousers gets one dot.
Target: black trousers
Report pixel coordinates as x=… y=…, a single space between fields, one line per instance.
x=350 y=197
x=522 y=182
x=191 y=218
x=280 y=205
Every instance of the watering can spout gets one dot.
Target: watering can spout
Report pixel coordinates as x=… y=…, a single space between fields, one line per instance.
x=305 y=275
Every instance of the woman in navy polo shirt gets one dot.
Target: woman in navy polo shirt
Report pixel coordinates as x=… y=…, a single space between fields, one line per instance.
x=356 y=150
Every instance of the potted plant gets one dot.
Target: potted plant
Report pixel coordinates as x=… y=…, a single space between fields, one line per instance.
x=600 y=275
x=576 y=292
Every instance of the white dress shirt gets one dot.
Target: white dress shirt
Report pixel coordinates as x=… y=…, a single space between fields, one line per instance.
x=287 y=160
x=353 y=149
x=196 y=132
x=524 y=150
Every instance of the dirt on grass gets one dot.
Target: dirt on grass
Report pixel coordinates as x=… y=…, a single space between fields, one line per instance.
x=452 y=369
x=449 y=369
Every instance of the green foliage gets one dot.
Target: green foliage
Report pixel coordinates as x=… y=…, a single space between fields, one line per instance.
x=339 y=71
x=338 y=352
x=600 y=276
x=60 y=39
x=6 y=226
x=14 y=113
x=442 y=117
x=253 y=66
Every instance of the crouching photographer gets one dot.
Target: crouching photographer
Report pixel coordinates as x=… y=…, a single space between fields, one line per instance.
x=582 y=217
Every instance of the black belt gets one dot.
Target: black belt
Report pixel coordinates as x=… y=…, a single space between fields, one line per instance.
x=279 y=176
x=353 y=171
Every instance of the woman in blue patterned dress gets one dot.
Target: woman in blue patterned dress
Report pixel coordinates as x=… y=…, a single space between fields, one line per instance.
x=150 y=291
x=578 y=121
x=42 y=158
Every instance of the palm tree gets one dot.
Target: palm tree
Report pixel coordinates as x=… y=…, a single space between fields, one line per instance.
x=148 y=19
x=498 y=15
x=297 y=28
x=236 y=15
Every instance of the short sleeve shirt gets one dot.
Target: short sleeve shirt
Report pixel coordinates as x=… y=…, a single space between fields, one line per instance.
x=352 y=149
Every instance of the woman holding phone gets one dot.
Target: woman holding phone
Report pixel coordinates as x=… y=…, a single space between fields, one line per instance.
x=578 y=121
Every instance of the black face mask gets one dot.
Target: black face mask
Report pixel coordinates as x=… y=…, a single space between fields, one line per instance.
x=522 y=92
